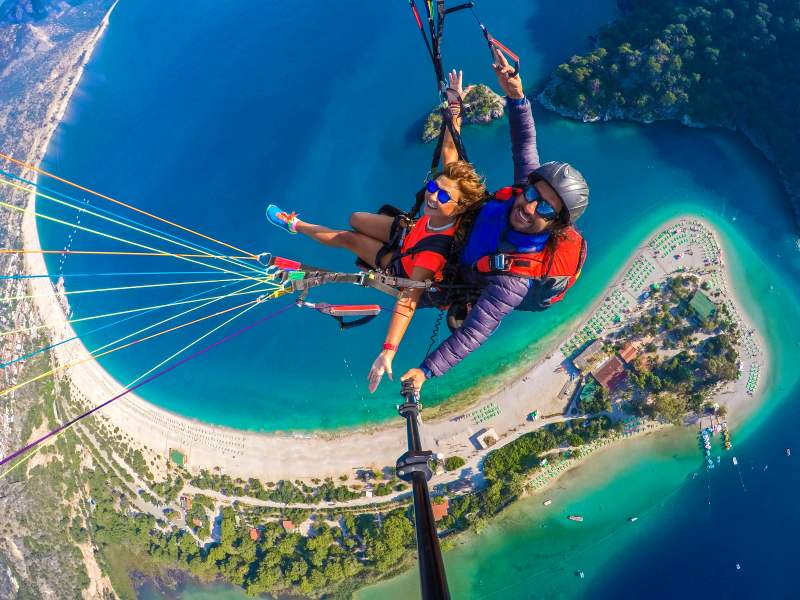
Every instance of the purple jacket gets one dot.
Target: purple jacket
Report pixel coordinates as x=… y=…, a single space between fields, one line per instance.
x=501 y=293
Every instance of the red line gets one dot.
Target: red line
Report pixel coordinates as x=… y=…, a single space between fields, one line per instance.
x=505 y=49
x=416 y=16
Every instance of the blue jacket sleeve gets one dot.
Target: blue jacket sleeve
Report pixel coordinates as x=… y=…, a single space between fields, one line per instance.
x=498 y=299
x=523 y=139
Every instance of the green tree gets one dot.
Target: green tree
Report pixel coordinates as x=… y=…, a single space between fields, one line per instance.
x=671 y=407
x=454 y=462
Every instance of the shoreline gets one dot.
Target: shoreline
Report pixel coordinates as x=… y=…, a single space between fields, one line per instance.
x=621 y=116
x=305 y=455
x=274 y=456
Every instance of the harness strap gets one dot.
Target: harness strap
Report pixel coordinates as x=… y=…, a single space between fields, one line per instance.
x=388 y=284
x=458 y=7
x=396 y=232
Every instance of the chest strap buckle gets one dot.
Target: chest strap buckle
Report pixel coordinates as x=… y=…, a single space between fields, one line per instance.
x=499 y=262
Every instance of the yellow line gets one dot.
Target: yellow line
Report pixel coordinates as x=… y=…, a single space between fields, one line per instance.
x=118 y=239
x=123 y=288
x=80 y=209
x=119 y=253
x=125 y=312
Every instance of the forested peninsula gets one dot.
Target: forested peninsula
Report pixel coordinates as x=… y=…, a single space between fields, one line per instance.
x=727 y=63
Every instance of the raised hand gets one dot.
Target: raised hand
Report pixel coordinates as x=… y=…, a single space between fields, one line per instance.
x=512 y=85
x=455 y=91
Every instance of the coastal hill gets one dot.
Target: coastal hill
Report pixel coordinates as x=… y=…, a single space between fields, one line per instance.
x=702 y=62
x=22 y=11
x=481 y=105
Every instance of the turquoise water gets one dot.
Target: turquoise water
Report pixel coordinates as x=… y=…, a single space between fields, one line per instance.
x=206 y=137
x=177 y=115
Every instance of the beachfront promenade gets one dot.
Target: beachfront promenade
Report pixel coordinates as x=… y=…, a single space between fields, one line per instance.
x=546 y=386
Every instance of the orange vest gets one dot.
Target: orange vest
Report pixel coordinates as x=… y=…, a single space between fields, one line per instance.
x=552 y=272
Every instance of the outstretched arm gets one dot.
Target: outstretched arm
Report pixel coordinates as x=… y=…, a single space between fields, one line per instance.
x=404 y=309
x=520 y=119
x=455 y=94
x=500 y=297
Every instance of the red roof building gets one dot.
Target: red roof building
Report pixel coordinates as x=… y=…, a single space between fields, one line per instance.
x=197 y=522
x=610 y=374
x=287 y=525
x=255 y=534
x=440 y=509
x=628 y=353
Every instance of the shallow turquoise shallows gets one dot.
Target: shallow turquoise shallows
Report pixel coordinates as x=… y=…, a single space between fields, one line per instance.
x=204 y=115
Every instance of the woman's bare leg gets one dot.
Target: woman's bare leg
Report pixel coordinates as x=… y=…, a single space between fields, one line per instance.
x=375 y=226
x=363 y=246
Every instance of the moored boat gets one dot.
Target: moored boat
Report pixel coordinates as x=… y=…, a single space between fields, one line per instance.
x=577 y=518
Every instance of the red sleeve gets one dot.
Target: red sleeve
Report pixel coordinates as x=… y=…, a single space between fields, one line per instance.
x=430 y=260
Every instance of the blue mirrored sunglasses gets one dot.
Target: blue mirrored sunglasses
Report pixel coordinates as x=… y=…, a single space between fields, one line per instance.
x=442 y=196
x=543 y=208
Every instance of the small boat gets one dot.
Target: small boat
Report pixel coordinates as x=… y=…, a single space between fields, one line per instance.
x=788 y=452
x=633 y=519
x=738 y=566
x=580 y=574
x=577 y=518
x=735 y=462
x=547 y=502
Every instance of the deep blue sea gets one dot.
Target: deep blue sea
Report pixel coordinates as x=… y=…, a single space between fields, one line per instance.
x=205 y=112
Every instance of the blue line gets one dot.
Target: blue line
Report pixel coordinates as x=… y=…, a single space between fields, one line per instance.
x=117 y=216
x=51 y=346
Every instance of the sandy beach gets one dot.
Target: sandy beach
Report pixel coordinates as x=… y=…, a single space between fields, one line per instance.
x=545 y=386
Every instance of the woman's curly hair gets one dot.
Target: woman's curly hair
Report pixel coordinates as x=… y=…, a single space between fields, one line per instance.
x=470 y=184
x=473 y=196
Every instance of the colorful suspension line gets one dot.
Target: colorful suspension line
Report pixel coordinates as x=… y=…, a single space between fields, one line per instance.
x=82 y=210
x=122 y=347
x=112 y=274
x=120 y=203
x=195 y=342
x=116 y=238
x=96 y=329
x=79 y=208
x=134 y=381
x=121 y=253
x=136 y=386
x=122 y=288
x=433 y=41
x=127 y=312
